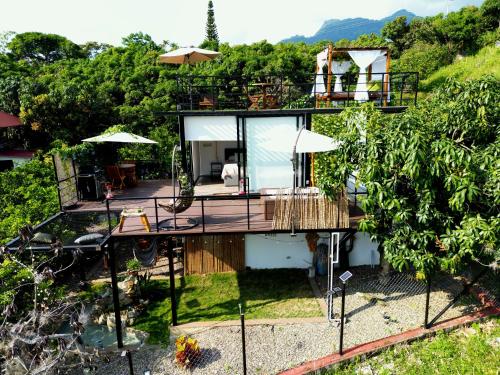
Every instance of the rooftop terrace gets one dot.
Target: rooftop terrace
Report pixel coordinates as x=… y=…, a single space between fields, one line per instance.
x=222 y=93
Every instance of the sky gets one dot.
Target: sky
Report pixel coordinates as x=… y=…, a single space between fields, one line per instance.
x=183 y=21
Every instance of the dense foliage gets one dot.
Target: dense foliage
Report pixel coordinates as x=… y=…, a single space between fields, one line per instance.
x=28 y=195
x=431 y=174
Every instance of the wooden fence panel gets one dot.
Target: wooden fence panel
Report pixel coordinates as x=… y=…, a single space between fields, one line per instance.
x=216 y=253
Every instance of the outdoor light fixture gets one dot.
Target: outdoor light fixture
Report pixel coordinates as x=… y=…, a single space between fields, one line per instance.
x=345 y=276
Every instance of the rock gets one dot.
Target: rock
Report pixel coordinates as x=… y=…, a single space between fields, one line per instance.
x=102 y=319
x=111 y=322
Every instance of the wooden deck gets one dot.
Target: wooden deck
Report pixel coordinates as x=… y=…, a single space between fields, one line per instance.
x=217 y=215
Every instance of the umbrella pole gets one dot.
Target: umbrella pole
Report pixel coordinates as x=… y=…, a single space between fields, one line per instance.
x=294 y=184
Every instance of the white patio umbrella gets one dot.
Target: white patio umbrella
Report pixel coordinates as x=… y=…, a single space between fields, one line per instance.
x=119 y=137
x=303 y=140
x=188 y=55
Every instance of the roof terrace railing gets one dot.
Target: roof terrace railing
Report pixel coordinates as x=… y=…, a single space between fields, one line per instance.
x=196 y=93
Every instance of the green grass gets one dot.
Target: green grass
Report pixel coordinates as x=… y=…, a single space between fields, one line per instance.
x=485 y=62
x=263 y=294
x=471 y=350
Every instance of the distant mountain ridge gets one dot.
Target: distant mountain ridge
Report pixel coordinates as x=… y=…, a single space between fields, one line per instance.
x=349 y=28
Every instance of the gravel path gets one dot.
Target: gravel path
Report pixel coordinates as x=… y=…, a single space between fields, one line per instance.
x=375 y=307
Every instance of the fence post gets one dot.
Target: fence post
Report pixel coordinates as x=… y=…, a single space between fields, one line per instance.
x=243 y=345
x=130 y=364
x=342 y=314
x=427 y=300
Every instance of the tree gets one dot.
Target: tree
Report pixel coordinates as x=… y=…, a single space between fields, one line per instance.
x=397 y=31
x=490 y=13
x=431 y=176
x=40 y=47
x=33 y=308
x=28 y=194
x=423 y=58
x=211 y=37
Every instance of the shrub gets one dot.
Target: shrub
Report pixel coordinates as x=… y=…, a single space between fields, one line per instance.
x=187 y=351
x=424 y=58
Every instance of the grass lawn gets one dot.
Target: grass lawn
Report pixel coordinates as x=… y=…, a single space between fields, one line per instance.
x=470 y=350
x=263 y=294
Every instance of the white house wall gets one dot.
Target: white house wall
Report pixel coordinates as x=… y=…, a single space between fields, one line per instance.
x=277 y=251
x=364 y=252
x=280 y=250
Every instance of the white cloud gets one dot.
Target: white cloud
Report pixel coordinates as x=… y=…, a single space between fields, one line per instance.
x=183 y=21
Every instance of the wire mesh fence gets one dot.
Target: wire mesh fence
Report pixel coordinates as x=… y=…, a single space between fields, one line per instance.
x=377 y=305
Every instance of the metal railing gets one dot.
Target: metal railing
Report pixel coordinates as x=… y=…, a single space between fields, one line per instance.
x=210 y=213
x=279 y=92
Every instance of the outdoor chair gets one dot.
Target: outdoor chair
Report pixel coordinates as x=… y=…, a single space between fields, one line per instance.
x=117 y=177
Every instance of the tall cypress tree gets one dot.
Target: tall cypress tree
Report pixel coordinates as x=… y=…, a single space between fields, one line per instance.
x=212 y=38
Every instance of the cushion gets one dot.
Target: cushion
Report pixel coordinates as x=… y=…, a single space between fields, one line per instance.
x=89 y=238
x=41 y=237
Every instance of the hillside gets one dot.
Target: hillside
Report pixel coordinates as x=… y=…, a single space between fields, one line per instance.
x=349 y=28
x=471 y=67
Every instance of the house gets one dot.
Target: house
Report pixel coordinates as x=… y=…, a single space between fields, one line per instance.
x=12 y=152
x=236 y=142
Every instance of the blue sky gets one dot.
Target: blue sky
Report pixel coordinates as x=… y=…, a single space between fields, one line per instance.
x=183 y=21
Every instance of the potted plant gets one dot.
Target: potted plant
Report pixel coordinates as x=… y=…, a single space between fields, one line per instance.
x=187 y=351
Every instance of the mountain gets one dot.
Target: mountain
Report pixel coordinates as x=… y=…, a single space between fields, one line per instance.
x=349 y=28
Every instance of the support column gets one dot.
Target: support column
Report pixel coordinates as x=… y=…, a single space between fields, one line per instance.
x=116 y=299
x=173 y=301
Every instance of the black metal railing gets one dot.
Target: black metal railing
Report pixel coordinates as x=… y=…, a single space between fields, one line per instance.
x=210 y=213
x=278 y=92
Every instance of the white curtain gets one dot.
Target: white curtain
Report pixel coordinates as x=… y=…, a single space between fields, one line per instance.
x=319 y=84
x=363 y=59
x=339 y=68
x=380 y=66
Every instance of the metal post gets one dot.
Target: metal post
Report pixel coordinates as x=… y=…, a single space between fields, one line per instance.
x=109 y=216
x=130 y=364
x=116 y=299
x=427 y=299
x=156 y=215
x=243 y=345
x=173 y=302
x=342 y=310
x=202 y=214
x=248 y=210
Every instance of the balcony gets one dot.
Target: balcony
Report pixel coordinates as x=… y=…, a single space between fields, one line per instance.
x=221 y=93
x=221 y=213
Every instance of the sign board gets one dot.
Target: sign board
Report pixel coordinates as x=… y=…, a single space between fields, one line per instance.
x=345 y=276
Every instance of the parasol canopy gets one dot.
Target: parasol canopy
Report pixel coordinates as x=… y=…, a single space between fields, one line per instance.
x=120 y=137
x=190 y=55
x=306 y=142
x=7 y=120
